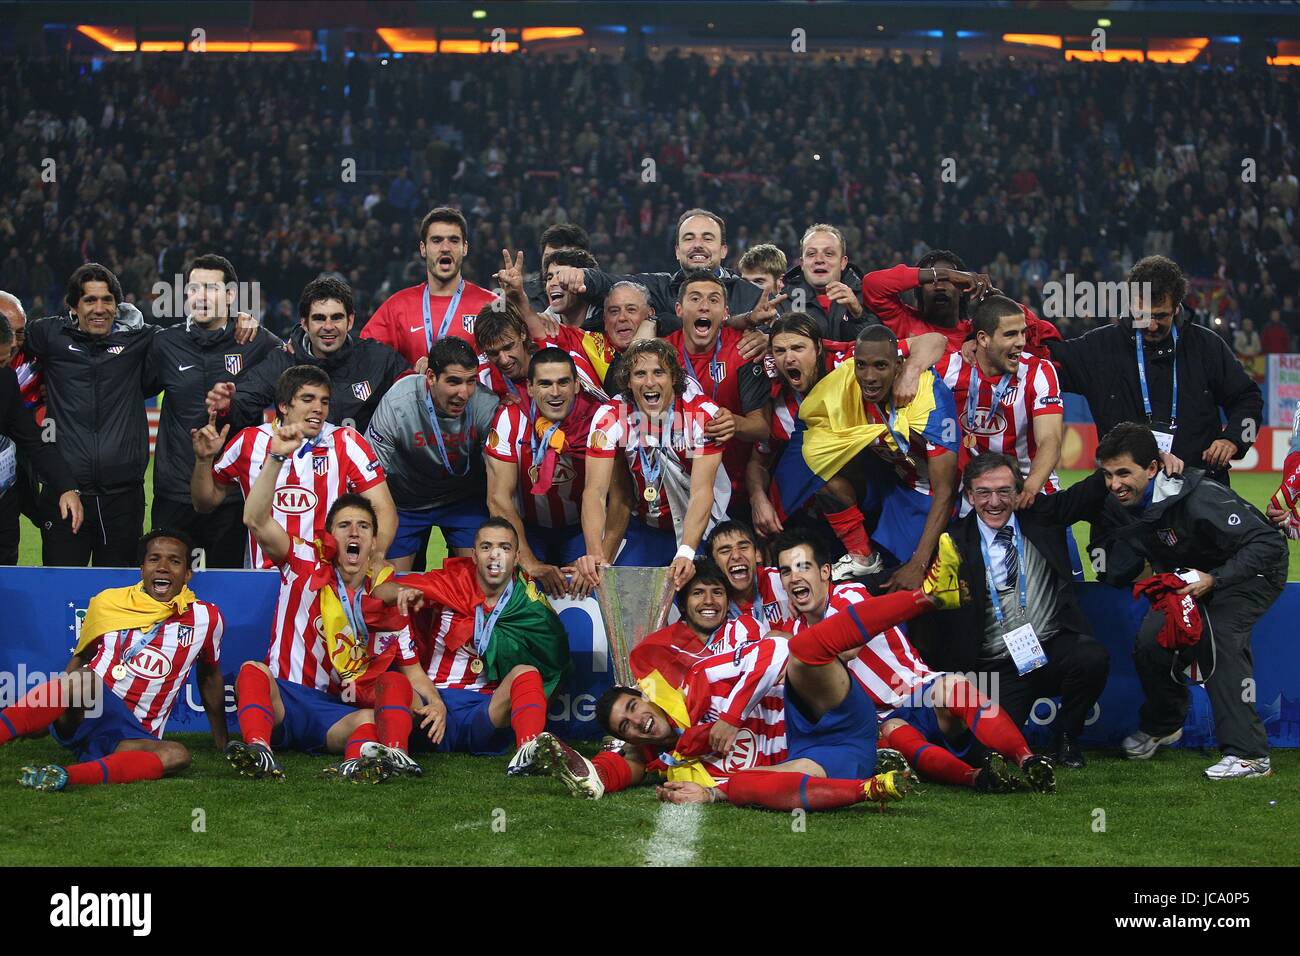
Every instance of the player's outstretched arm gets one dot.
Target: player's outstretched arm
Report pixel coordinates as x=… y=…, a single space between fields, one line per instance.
x=212 y=690
x=386 y=518
x=703 y=473
x=595 y=492
x=272 y=538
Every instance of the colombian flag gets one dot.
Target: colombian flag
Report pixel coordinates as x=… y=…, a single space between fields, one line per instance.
x=836 y=428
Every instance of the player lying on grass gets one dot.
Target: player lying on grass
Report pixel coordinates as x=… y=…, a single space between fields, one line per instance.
x=137 y=646
x=491 y=646
x=928 y=717
x=326 y=684
x=774 y=724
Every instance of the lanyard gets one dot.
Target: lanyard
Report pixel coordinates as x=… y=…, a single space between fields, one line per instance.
x=310 y=444
x=144 y=638
x=715 y=367
x=890 y=422
x=352 y=610
x=1142 y=376
x=437 y=437
x=972 y=395
x=652 y=475
x=1020 y=583
x=540 y=443
x=446 y=316
x=483 y=624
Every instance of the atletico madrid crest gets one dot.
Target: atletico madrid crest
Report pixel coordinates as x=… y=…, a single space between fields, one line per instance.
x=320 y=464
x=184 y=635
x=1167 y=537
x=234 y=363
x=361 y=390
x=115 y=349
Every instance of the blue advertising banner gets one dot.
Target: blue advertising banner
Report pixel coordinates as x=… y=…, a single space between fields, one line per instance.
x=43 y=609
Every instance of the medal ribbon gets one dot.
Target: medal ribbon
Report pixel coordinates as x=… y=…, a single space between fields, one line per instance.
x=1142 y=377
x=352 y=610
x=715 y=367
x=437 y=436
x=972 y=395
x=1021 y=594
x=483 y=623
x=540 y=440
x=446 y=316
x=652 y=475
x=144 y=638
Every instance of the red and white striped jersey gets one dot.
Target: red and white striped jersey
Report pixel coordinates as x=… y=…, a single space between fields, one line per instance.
x=887 y=667
x=1009 y=429
x=508 y=390
x=298 y=650
x=511 y=440
x=773 y=605
x=618 y=425
x=310 y=481
x=159 y=667
x=447 y=669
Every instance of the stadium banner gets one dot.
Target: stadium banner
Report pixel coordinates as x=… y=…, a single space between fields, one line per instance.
x=1283 y=389
x=1079 y=449
x=45 y=606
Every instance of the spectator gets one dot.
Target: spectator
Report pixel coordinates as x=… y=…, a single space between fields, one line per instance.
x=1276 y=337
x=1245 y=341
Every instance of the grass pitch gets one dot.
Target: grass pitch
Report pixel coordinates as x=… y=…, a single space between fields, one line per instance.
x=466 y=812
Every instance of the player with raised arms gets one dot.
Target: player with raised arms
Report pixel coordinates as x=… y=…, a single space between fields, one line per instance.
x=326 y=684
x=137 y=646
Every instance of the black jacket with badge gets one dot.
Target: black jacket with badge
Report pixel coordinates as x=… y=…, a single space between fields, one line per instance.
x=1102 y=367
x=742 y=295
x=95 y=396
x=837 y=324
x=185 y=361
x=1192 y=522
x=361 y=372
x=950 y=641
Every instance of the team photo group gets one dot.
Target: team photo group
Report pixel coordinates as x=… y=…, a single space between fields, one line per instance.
x=849 y=476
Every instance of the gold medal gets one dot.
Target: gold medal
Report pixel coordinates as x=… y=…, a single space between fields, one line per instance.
x=651 y=494
x=476 y=665
x=357 y=652
x=119 y=672
x=969 y=440
x=533 y=472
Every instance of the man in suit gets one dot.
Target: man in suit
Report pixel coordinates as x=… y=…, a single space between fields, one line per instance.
x=1035 y=638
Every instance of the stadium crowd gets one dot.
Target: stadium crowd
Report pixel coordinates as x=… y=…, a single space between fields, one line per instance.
x=820 y=448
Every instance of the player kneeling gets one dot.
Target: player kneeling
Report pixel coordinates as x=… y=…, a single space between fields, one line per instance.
x=773 y=723
x=326 y=684
x=137 y=646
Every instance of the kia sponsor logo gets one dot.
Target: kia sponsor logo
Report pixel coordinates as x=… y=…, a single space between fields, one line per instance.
x=294 y=500
x=744 y=752
x=149 y=663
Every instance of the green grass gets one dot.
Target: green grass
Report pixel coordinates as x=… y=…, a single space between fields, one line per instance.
x=1255 y=487
x=447 y=819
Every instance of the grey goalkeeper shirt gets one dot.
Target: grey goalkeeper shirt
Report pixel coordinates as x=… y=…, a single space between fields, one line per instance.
x=403 y=436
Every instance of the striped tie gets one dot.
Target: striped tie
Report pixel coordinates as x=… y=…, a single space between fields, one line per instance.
x=1010 y=561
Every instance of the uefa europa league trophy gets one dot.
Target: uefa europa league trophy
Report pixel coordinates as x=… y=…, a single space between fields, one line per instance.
x=633 y=602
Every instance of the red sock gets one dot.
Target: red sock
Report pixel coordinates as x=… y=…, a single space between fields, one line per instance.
x=125 y=767
x=42 y=706
x=362 y=735
x=849 y=528
x=613 y=771
x=774 y=790
x=823 y=642
x=393 y=710
x=527 y=707
x=253 y=697
x=991 y=726
x=931 y=762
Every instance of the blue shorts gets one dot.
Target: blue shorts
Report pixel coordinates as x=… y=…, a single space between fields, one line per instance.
x=646 y=547
x=903 y=513
x=458 y=522
x=308 y=715
x=469 y=729
x=842 y=741
x=558 y=546
x=97 y=737
x=926 y=720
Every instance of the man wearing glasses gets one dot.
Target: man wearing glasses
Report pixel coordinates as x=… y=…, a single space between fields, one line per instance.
x=1155 y=367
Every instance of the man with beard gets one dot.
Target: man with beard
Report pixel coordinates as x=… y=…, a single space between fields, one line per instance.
x=360 y=370
x=429 y=434
x=700 y=243
x=330 y=461
x=933 y=720
x=680 y=488
x=411 y=320
x=186 y=361
x=1134 y=372
x=802 y=358
x=772 y=723
x=536 y=467
x=824 y=285
x=945 y=293
x=1007 y=401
